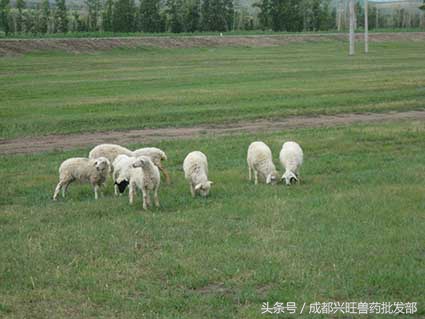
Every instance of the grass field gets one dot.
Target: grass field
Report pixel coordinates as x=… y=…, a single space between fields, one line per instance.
x=122 y=89
x=352 y=231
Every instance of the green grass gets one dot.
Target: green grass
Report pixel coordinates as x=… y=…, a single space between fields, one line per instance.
x=353 y=230
x=147 y=87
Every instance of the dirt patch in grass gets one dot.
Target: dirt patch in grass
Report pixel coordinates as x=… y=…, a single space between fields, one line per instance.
x=216 y=288
x=28 y=145
x=87 y=45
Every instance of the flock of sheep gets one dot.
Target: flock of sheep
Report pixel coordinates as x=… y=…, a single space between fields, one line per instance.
x=140 y=169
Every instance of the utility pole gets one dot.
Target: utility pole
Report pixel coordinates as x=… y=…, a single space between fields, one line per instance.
x=366 y=26
x=352 y=35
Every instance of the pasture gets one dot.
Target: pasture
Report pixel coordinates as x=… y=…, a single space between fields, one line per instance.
x=150 y=87
x=352 y=231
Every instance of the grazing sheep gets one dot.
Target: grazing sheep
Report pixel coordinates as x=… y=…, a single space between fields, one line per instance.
x=110 y=151
x=195 y=168
x=291 y=157
x=121 y=175
x=93 y=171
x=144 y=174
x=260 y=162
x=157 y=156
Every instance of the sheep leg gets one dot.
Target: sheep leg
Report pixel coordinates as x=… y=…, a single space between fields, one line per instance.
x=155 y=198
x=256 y=176
x=146 y=199
x=249 y=173
x=57 y=189
x=192 y=190
x=116 y=189
x=165 y=172
x=64 y=189
x=131 y=192
x=96 y=192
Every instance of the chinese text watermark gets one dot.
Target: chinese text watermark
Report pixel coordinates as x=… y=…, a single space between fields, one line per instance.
x=359 y=308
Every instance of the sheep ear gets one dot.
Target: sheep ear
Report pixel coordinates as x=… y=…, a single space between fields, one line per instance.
x=139 y=163
x=198 y=187
x=211 y=183
x=269 y=179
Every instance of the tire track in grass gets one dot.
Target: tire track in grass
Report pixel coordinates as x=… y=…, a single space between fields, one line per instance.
x=28 y=145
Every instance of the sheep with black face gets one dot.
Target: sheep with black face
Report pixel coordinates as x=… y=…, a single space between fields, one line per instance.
x=121 y=175
x=291 y=157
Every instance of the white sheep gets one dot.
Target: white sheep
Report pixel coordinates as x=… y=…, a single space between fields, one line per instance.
x=110 y=151
x=157 y=156
x=121 y=174
x=291 y=158
x=195 y=167
x=144 y=174
x=260 y=162
x=93 y=171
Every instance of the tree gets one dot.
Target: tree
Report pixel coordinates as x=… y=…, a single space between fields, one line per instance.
x=286 y=15
x=29 y=21
x=175 y=15
x=218 y=15
x=205 y=15
x=107 y=16
x=326 y=16
x=20 y=5
x=78 y=25
x=264 y=16
x=61 y=17
x=315 y=15
x=150 y=19
x=123 y=17
x=93 y=9
x=44 y=16
x=192 y=20
x=4 y=15
x=358 y=14
x=229 y=11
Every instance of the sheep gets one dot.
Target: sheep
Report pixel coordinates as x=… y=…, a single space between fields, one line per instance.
x=93 y=171
x=195 y=167
x=121 y=174
x=260 y=162
x=144 y=174
x=157 y=156
x=291 y=158
x=110 y=151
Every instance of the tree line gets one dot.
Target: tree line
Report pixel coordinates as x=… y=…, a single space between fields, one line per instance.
x=296 y=15
x=122 y=16
x=165 y=16
x=185 y=16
